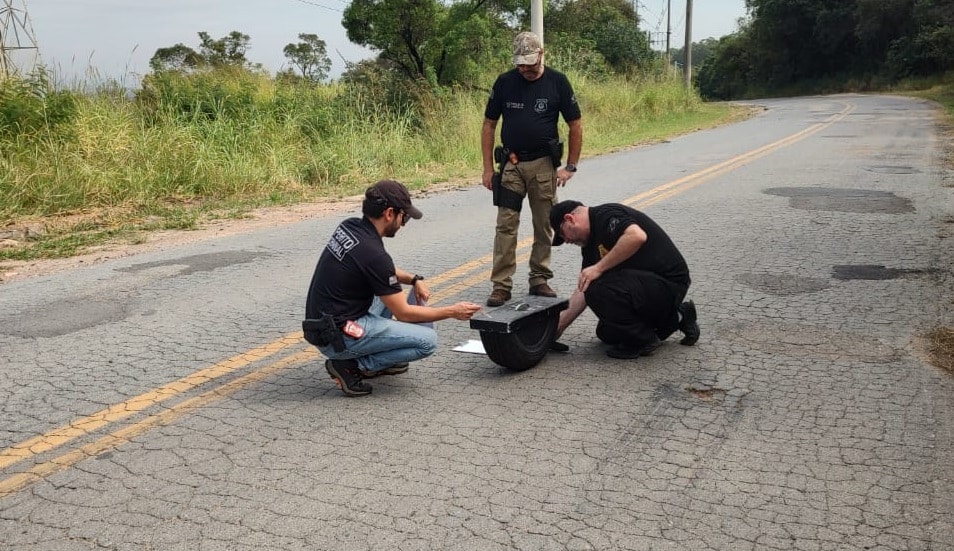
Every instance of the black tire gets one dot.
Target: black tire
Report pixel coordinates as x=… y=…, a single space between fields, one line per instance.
x=523 y=348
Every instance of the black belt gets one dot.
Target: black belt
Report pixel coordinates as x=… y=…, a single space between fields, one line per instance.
x=532 y=155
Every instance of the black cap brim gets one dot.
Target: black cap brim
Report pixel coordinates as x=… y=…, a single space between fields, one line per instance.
x=557 y=212
x=413 y=212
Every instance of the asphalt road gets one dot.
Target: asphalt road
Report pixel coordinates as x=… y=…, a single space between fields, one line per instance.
x=166 y=401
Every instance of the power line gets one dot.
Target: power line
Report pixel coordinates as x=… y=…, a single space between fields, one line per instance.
x=316 y=4
x=648 y=14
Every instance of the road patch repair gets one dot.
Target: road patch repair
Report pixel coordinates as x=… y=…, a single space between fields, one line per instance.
x=843 y=200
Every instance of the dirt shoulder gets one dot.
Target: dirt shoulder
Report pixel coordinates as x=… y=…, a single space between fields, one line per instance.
x=12 y=270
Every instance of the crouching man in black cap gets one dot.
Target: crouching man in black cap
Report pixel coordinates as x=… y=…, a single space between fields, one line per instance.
x=633 y=278
x=356 y=294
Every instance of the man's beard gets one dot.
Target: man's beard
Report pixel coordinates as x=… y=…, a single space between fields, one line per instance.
x=392 y=230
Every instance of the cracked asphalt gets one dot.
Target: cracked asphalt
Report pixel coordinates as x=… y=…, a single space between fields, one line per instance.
x=166 y=401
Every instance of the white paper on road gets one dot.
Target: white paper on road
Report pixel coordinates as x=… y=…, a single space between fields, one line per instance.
x=473 y=346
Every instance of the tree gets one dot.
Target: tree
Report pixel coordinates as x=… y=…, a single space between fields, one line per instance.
x=611 y=25
x=310 y=57
x=726 y=72
x=176 y=58
x=788 y=43
x=927 y=48
x=700 y=52
x=426 y=39
x=226 y=51
x=404 y=31
x=879 y=23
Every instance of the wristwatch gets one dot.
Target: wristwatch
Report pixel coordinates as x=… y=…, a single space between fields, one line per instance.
x=570 y=167
x=415 y=279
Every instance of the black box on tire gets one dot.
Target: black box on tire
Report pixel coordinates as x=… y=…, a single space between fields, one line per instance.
x=518 y=334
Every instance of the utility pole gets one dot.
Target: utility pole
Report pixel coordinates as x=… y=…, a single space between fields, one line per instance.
x=17 y=40
x=688 y=47
x=668 y=34
x=536 y=19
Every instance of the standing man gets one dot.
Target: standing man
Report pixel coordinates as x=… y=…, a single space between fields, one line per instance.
x=633 y=278
x=530 y=99
x=356 y=289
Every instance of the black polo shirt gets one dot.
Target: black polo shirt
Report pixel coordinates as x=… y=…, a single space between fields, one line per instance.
x=353 y=268
x=658 y=254
x=531 y=110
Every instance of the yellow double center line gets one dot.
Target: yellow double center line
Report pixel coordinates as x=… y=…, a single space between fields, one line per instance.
x=84 y=426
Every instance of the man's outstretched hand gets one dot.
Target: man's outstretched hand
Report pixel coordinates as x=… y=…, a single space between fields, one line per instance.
x=464 y=310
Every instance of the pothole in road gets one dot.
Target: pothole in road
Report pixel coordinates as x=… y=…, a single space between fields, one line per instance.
x=875 y=272
x=710 y=392
x=892 y=169
x=941 y=347
x=707 y=394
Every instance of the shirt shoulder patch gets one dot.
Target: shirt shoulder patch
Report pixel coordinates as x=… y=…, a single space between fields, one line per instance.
x=342 y=241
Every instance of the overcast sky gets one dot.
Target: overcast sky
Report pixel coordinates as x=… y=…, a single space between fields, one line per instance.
x=116 y=38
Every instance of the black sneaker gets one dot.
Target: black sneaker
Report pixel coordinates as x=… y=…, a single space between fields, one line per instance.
x=624 y=352
x=348 y=376
x=395 y=369
x=557 y=346
x=688 y=324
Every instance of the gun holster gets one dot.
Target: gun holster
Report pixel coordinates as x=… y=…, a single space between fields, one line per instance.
x=501 y=154
x=504 y=197
x=556 y=152
x=323 y=332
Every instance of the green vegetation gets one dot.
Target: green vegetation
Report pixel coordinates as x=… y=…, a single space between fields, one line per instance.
x=190 y=146
x=790 y=47
x=209 y=134
x=940 y=90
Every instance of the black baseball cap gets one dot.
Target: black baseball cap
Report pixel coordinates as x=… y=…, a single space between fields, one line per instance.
x=557 y=212
x=395 y=195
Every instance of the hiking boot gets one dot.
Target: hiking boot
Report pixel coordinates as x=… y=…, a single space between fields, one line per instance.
x=543 y=290
x=498 y=297
x=395 y=369
x=688 y=324
x=625 y=352
x=348 y=376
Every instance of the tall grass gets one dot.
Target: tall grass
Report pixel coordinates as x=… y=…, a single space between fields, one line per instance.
x=939 y=88
x=241 y=138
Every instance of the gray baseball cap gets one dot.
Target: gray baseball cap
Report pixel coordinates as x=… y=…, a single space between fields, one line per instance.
x=526 y=48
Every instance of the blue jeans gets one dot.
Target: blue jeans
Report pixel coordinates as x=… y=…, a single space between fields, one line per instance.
x=386 y=341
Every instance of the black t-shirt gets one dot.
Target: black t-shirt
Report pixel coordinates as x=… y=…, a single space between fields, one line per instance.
x=658 y=254
x=531 y=109
x=352 y=270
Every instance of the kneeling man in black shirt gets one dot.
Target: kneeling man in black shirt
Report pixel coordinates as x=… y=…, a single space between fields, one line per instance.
x=633 y=278
x=356 y=312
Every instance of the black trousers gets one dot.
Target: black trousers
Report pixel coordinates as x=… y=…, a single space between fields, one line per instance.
x=635 y=307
